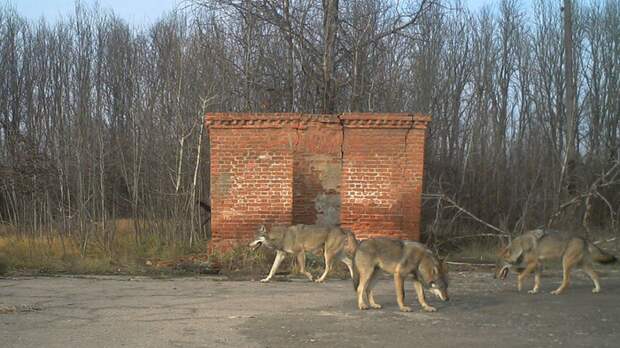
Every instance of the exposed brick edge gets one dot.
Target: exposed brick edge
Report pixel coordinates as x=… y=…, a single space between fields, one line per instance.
x=299 y=120
x=266 y=120
x=388 y=120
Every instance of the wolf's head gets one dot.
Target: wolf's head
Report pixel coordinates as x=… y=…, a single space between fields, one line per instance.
x=511 y=255
x=434 y=274
x=261 y=238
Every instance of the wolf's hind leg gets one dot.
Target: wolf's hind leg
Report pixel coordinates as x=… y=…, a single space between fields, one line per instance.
x=365 y=275
x=301 y=260
x=571 y=258
x=371 y=285
x=587 y=267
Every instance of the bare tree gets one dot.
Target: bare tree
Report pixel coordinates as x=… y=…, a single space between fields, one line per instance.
x=98 y=118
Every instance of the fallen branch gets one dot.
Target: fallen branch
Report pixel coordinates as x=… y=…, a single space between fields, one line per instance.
x=463 y=210
x=496 y=235
x=592 y=190
x=471 y=264
x=604 y=241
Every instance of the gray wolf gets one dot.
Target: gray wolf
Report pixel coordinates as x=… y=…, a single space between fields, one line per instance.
x=298 y=239
x=400 y=258
x=529 y=250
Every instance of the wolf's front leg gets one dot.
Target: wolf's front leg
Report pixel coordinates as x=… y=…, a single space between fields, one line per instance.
x=421 y=299
x=280 y=255
x=528 y=269
x=537 y=275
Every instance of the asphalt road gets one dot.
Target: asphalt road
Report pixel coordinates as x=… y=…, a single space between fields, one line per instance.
x=211 y=312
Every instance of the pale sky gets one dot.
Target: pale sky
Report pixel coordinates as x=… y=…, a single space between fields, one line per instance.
x=133 y=11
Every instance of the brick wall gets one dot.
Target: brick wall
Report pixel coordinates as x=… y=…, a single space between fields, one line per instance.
x=363 y=170
x=251 y=175
x=317 y=170
x=382 y=174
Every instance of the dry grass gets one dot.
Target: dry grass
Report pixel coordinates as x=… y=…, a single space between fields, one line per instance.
x=122 y=254
x=55 y=255
x=49 y=256
x=465 y=246
x=125 y=256
x=245 y=263
x=479 y=250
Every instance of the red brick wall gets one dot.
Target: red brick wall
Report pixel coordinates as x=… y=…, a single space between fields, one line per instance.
x=251 y=175
x=382 y=175
x=317 y=168
x=274 y=168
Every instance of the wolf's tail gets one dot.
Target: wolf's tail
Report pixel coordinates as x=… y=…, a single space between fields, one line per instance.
x=351 y=243
x=351 y=249
x=356 y=276
x=599 y=255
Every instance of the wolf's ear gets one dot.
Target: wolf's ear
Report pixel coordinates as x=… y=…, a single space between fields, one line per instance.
x=262 y=229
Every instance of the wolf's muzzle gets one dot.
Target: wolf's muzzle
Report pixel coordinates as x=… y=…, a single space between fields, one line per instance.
x=503 y=272
x=257 y=243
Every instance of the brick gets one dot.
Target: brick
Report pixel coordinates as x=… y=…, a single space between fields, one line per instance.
x=274 y=168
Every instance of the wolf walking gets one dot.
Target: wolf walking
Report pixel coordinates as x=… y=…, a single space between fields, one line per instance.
x=298 y=239
x=529 y=250
x=400 y=258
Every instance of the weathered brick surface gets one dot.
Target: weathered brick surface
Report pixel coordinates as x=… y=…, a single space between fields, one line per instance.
x=363 y=170
x=252 y=176
x=317 y=170
x=382 y=175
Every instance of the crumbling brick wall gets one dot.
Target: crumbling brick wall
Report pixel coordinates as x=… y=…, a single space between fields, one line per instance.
x=362 y=170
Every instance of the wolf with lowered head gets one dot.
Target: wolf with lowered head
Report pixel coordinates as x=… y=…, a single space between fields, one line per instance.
x=400 y=258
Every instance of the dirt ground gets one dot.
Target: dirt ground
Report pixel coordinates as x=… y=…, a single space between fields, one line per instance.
x=213 y=312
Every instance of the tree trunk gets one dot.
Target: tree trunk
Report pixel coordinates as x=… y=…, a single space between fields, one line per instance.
x=568 y=185
x=330 y=30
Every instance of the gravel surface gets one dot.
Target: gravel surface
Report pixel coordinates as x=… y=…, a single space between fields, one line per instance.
x=121 y=311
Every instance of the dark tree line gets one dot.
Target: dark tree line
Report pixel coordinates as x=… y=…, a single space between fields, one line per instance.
x=101 y=120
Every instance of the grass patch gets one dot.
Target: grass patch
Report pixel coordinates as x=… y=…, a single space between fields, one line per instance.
x=125 y=256
x=244 y=263
x=479 y=250
x=55 y=255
